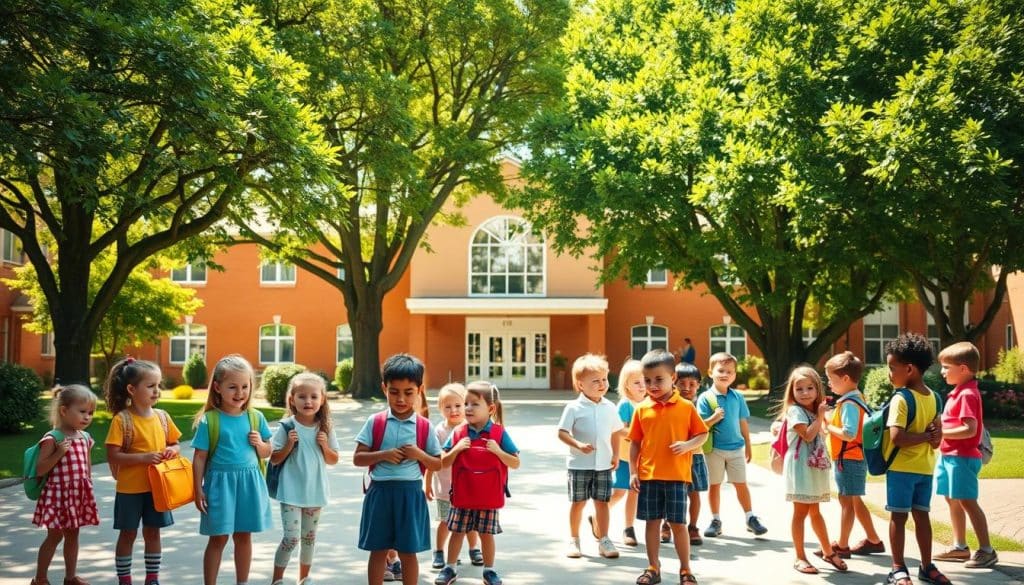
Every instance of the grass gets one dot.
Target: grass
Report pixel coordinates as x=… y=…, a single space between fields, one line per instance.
x=12 y=447
x=943 y=532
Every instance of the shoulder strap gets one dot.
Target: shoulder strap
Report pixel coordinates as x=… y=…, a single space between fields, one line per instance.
x=422 y=434
x=497 y=432
x=908 y=397
x=712 y=400
x=57 y=435
x=254 y=424
x=213 y=427
x=460 y=432
x=127 y=430
x=162 y=415
x=379 y=424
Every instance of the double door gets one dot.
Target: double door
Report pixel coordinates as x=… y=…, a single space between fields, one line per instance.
x=508 y=359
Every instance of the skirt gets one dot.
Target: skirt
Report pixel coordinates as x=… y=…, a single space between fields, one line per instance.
x=236 y=501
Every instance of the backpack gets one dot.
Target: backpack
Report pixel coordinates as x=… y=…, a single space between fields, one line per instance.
x=875 y=433
x=712 y=400
x=33 y=481
x=380 y=423
x=274 y=469
x=479 y=477
x=779 y=448
x=128 y=433
x=213 y=422
x=986 y=447
x=852 y=444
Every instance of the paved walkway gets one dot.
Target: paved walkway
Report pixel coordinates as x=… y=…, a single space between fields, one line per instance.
x=529 y=552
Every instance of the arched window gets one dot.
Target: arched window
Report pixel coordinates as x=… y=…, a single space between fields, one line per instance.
x=277 y=344
x=644 y=338
x=344 y=342
x=506 y=258
x=730 y=338
x=188 y=340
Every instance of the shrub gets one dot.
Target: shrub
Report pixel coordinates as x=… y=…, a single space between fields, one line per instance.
x=170 y=382
x=328 y=381
x=1001 y=400
x=742 y=374
x=275 y=381
x=343 y=375
x=757 y=372
x=19 y=397
x=934 y=380
x=183 y=392
x=877 y=388
x=194 y=371
x=1010 y=366
x=758 y=382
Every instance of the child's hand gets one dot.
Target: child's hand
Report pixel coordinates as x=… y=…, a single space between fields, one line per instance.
x=463 y=444
x=169 y=453
x=293 y=437
x=151 y=458
x=822 y=409
x=321 y=439
x=634 y=482
x=429 y=491
x=412 y=452
x=254 y=438
x=585 y=447
x=201 y=501
x=63 y=446
x=679 y=448
x=393 y=456
x=615 y=463
x=718 y=415
x=493 y=446
x=747 y=452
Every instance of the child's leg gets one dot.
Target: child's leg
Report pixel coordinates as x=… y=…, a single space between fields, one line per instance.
x=46 y=552
x=743 y=495
x=410 y=568
x=715 y=497
x=694 y=508
x=796 y=530
x=123 y=554
x=243 y=555
x=617 y=496
x=682 y=543
x=441 y=535
x=310 y=521
x=211 y=558
x=454 y=546
x=70 y=553
x=958 y=520
x=375 y=567
x=652 y=535
x=631 y=499
x=474 y=539
x=897 y=536
x=601 y=518
x=978 y=521
x=575 y=517
x=820 y=530
x=487 y=547
x=923 y=532
x=865 y=520
x=291 y=522
x=153 y=552
x=845 y=520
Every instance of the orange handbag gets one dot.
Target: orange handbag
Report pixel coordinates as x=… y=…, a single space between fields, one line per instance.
x=171 y=484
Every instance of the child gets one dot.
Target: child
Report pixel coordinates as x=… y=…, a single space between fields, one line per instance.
x=395 y=512
x=303 y=445
x=631 y=393
x=483 y=417
x=806 y=464
x=908 y=481
x=139 y=436
x=591 y=427
x=846 y=444
x=665 y=432
x=451 y=401
x=687 y=382
x=66 y=502
x=231 y=493
x=960 y=458
x=725 y=412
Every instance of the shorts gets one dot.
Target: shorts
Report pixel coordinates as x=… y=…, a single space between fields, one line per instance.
x=587 y=484
x=907 y=491
x=621 y=481
x=663 y=500
x=851 y=480
x=720 y=463
x=698 y=474
x=466 y=520
x=395 y=516
x=442 y=507
x=129 y=509
x=957 y=477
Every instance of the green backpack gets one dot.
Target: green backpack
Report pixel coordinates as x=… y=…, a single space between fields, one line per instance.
x=713 y=403
x=213 y=420
x=33 y=482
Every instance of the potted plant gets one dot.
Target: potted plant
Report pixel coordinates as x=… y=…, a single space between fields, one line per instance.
x=558 y=365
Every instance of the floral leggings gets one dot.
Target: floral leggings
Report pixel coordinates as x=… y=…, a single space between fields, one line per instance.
x=299 y=526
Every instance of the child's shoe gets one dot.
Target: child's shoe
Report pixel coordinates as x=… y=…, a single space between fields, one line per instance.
x=476 y=557
x=491 y=577
x=694 y=534
x=76 y=580
x=931 y=574
x=306 y=581
x=629 y=537
x=396 y=570
x=954 y=555
x=866 y=547
x=898 y=576
x=573 y=551
x=982 y=559
x=446 y=576
x=754 y=525
x=438 y=560
x=607 y=549
x=388 y=575
x=714 y=529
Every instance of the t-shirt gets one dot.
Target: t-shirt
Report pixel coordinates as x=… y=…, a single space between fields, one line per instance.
x=594 y=423
x=626 y=409
x=147 y=437
x=303 y=480
x=918 y=458
x=963 y=403
x=506 y=443
x=726 y=432
x=443 y=478
x=848 y=417
x=656 y=425
x=397 y=433
x=233 y=446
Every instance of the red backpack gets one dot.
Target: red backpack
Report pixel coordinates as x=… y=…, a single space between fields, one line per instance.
x=479 y=478
x=380 y=422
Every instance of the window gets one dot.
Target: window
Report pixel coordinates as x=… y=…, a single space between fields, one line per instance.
x=644 y=338
x=1011 y=339
x=277 y=344
x=880 y=328
x=344 y=342
x=658 y=276
x=810 y=334
x=341 y=273
x=11 y=248
x=730 y=338
x=277 y=273
x=188 y=340
x=47 y=348
x=506 y=258
x=473 y=355
x=540 y=356
x=192 y=274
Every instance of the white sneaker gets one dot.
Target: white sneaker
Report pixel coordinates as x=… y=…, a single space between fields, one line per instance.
x=306 y=581
x=573 y=552
x=607 y=549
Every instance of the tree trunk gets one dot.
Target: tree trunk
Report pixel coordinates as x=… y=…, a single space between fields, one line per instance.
x=367 y=321
x=69 y=312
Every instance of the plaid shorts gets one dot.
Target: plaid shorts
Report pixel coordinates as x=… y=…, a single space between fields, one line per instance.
x=699 y=474
x=662 y=500
x=466 y=520
x=587 y=484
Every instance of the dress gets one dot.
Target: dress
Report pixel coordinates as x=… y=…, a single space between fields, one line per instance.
x=806 y=465
x=67 y=500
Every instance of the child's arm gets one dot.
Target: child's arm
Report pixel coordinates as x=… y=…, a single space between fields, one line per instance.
x=511 y=460
x=448 y=457
x=634 y=465
x=363 y=457
x=428 y=484
x=263 y=448
x=745 y=431
x=902 y=438
x=50 y=453
x=617 y=438
x=330 y=455
x=692 y=444
x=281 y=454
x=118 y=457
x=198 y=470
x=567 y=438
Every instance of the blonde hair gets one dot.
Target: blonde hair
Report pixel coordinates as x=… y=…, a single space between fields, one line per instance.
x=489 y=394
x=65 y=396
x=629 y=368
x=229 y=363
x=963 y=353
x=722 y=357
x=845 y=364
x=323 y=416
x=588 y=362
x=803 y=372
x=451 y=389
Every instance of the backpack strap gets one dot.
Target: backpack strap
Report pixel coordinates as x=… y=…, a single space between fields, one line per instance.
x=422 y=434
x=254 y=425
x=860 y=423
x=379 y=424
x=127 y=430
x=213 y=426
x=162 y=415
x=911 y=413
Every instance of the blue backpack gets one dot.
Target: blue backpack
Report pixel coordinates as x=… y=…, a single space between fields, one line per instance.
x=876 y=432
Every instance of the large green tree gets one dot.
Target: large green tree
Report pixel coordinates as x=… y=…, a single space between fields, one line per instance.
x=420 y=98
x=127 y=127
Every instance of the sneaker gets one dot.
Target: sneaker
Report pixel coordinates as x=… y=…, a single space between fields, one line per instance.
x=982 y=559
x=306 y=581
x=476 y=557
x=666 y=532
x=629 y=537
x=754 y=525
x=694 y=533
x=715 y=529
x=866 y=547
x=573 y=551
x=954 y=555
x=438 y=560
x=396 y=570
x=491 y=577
x=388 y=575
x=931 y=574
x=445 y=577
x=607 y=549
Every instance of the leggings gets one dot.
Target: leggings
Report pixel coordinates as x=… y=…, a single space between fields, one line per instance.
x=299 y=526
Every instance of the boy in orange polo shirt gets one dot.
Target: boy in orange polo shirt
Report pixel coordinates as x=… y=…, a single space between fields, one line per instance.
x=665 y=431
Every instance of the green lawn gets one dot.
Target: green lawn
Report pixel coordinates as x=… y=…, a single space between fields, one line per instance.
x=12 y=447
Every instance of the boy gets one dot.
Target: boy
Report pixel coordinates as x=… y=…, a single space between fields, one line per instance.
x=908 y=481
x=956 y=477
x=725 y=412
x=591 y=427
x=395 y=508
x=846 y=444
x=687 y=382
x=664 y=433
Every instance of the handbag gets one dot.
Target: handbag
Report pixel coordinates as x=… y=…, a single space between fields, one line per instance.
x=274 y=469
x=171 y=483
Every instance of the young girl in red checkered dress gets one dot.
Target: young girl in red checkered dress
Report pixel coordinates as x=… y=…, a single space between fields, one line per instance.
x=67 y=501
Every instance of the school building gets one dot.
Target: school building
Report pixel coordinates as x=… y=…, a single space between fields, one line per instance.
x=491 y=300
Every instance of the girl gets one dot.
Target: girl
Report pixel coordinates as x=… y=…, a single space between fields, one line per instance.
x=303 y=489
x=806 y=464
x=451 y=401
x=139 y=436
x=631 y=391
x=483 y=416
x=67 y=501
x=231 y=493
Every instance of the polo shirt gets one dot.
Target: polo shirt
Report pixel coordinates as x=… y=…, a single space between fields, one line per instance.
x=591 y=422
x=963 y=402
x=506 y=443
x=655 y=426
x=726 y=432
x=397 y=433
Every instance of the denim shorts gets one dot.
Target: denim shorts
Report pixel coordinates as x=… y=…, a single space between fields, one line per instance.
x=851 y=477
x=957 y=477
x=129 y=509
x=698 y=474
x=908 y=491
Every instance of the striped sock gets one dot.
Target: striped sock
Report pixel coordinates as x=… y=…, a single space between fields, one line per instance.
x=123 y=566
x=152 y=566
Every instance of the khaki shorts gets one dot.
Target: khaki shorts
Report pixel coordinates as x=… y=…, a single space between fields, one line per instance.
x=733 y=463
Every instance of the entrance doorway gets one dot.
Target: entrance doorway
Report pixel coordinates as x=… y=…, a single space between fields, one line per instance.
x=511 y=353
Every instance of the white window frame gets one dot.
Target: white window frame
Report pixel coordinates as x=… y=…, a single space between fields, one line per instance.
x=644 y=333
x=190 y=271
x=657 y=277
x=190 y=336
x=11 y=252
x=47 y=347
x=279 y=268
x=277 y=338
x=886 y=316
x=343 y=334
x=1011 y=339
x=809 y=335
x=524 y=239
x=725 y=337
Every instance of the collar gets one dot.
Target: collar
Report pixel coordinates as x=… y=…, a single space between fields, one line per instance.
x=674 y=398
x=582 y=398
x=971 y=384
x=717 y=393
x=392 y=416
x=486 y=427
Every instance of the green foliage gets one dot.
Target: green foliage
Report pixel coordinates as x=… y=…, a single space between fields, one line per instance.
x=933 y=379
x=182 y=392
x=876 y=387
x=194 y=371
x=19 y=396
x=343 y=375
x=1010 y=366
x=752 y=371
x=275 y=381
x=1001 y=400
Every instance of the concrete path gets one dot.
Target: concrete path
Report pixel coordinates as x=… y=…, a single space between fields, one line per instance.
x=529 y=552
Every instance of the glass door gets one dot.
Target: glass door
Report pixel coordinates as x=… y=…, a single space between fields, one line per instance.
x=496 y=358
x=519 y=367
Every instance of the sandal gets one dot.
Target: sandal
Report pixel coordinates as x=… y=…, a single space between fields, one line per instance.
x=931 y=574
x=685 y=578
x=648 y=577
x=836 y=561
x=844 y=551
x=804 y=567
x=899 y=576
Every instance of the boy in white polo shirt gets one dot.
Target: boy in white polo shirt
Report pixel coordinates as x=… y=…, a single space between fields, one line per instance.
x=591 y=427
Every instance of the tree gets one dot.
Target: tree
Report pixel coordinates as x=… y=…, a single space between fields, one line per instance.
x=419 y=98
x=129 y=127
